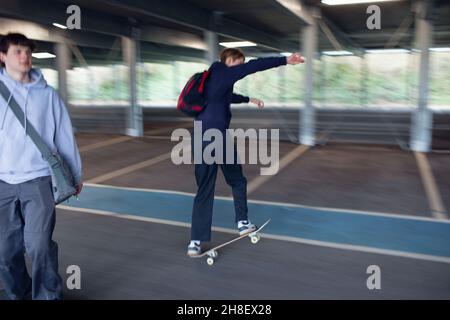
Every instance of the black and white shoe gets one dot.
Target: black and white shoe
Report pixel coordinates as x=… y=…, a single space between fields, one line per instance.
x=194 y=248
x=244 y=227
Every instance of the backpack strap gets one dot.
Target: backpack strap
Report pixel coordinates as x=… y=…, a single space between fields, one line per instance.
x=202 y=82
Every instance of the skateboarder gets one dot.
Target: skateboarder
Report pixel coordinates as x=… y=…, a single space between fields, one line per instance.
x=219 y=93
x=27 y=207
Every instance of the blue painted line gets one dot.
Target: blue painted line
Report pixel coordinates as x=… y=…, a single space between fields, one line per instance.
x=391 y=233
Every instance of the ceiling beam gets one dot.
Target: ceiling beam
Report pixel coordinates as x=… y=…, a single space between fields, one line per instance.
x=297 y=8
x=97 y=27
x=46 y=12
x=181 y=12
x=172 y=37
x=343 y=37
x=313 y=15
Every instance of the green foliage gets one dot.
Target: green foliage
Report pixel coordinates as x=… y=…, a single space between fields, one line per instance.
x=337 y=80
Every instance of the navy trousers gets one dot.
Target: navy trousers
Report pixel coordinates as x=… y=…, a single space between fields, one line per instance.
x=205 y=176
x=27 y=221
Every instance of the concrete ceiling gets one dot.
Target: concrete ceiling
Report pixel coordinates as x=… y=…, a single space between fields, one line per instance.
x=174 y=28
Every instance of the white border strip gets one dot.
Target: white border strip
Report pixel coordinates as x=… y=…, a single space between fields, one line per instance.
x=280 y=204
x=271 y=236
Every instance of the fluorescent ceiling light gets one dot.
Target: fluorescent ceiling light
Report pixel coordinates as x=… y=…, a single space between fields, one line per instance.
x=59 y=25
x=340 y=2
x=43 y=55
x=387 y=51
x=337 y=53
x=236 y=44
x=440 y=49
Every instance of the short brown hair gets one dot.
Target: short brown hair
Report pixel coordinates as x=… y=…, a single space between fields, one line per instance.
x=15 y=39
x=231 y=52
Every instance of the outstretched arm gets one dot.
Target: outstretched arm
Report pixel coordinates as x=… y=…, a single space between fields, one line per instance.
x=239 y=71
x=238 y=98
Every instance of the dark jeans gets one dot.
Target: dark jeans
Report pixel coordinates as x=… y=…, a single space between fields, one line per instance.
x=27 y=221
x=205 y=175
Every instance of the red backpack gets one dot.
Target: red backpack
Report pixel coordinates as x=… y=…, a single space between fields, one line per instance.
x=192 y=100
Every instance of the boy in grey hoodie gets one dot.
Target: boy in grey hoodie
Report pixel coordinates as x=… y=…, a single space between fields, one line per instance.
x=27 y=209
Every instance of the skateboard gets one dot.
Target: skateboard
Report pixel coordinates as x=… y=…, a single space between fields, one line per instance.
x=212 y=253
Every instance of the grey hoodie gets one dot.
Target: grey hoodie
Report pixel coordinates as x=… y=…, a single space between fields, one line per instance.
x=20 y=160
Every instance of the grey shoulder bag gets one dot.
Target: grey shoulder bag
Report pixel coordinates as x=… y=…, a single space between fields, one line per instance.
x=62 y=178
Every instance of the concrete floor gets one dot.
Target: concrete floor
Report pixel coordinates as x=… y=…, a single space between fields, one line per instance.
x=125 y=259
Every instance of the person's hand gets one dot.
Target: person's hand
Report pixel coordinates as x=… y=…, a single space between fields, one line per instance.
x=295 y=58
x=258 y=102
x=79 y=188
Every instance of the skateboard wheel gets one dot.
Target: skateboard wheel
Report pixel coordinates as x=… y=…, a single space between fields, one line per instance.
x=255 y=238
x=210 y=261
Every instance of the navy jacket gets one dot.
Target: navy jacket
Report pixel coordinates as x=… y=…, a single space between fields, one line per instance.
x=219 y=90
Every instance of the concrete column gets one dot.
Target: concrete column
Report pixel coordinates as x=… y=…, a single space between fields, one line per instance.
x=212 y=54
x=422 y=121
x=307 y=115
x=130 y=47
x=63 y=62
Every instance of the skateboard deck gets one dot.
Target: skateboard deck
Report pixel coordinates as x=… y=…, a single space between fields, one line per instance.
x=212 y=253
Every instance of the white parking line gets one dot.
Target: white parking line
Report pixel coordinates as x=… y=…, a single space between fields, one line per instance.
x=129 y=169
x=104 y=143
x=286 y=160
x=112 y=141
x=431 y=189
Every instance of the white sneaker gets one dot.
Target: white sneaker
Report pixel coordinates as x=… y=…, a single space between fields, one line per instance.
x=244 y=227
x=194 y=248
